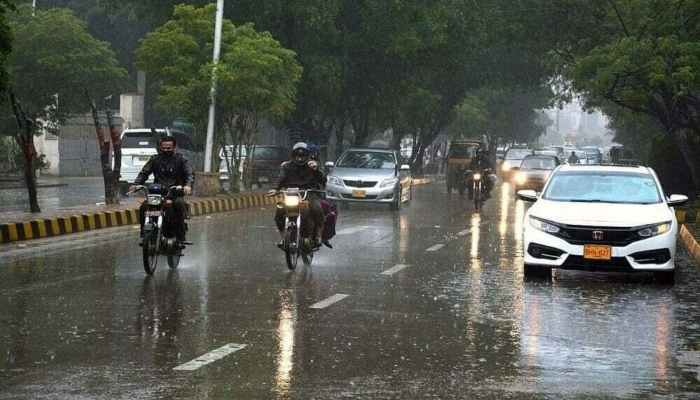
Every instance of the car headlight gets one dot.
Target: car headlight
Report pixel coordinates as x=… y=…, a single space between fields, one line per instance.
x=333 y=180
x=389 y=182
x=544 y=226
x=506 y=167
x=520 y=178
x=653 y=230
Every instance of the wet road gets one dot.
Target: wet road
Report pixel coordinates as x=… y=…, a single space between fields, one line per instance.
x=425 y=303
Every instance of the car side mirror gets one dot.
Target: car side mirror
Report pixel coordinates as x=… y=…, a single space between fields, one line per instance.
x=405 y=167
x=677 y=200
x=527 y=195
x=329 y=164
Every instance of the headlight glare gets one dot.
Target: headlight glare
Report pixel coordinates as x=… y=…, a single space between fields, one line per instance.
x=543 y=226
x=520 y=178
x=506 y=167
x=291 y=201
x=477 y=177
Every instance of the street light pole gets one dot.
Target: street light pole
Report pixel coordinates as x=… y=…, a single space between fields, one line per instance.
x=212 y=106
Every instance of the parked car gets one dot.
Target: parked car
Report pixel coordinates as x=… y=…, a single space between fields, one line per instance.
x=370 y=175
x=263 y=165
x=601 y=218
x=513 y=158
x=139 y=144
x=534 y=171
x=228 y=152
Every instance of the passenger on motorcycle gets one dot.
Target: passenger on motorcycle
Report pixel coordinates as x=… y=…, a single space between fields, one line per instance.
x=169 y=168
x=478 y=164
x=302 y=173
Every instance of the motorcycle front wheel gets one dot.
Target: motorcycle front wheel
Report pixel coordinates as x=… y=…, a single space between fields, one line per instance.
x=174 y=258
x=291 y=247
x=308 y=258
x=150 y=251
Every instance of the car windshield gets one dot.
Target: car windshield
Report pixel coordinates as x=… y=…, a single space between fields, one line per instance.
x=270 y=153
x=517 y=154
x=462 y=151
x=366 y=160
x=603 y=187
x=538 y=163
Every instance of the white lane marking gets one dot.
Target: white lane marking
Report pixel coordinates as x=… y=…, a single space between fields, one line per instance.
x=396 y=268
x=327 y=302
x=436 y=247
x=210 y=357
x=462 y=233
x=348 y=231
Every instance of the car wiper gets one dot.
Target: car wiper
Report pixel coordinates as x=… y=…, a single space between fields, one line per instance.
x=589 y=201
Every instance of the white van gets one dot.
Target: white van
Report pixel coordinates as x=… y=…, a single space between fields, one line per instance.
x=138 y=145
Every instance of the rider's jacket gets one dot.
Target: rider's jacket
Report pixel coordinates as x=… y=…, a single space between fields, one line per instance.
x=480 y=163
x=168 y=171
x=301 y=176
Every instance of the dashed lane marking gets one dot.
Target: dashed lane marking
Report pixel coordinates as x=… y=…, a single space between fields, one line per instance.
x=436 y=247
x=210 y=357
x=329 y=301
x=396 y=268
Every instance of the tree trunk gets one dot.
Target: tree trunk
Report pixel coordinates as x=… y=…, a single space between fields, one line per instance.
x=112 y=184
x=25 y=141
x=104 y=146
x=691 y=154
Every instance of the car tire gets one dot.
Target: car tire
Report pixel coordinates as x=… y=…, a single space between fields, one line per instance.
x=536 y=272
x=665 y=277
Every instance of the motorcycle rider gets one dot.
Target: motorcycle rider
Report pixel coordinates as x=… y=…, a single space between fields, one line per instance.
x=169 y=168
x=477 y=165
x=302 y=173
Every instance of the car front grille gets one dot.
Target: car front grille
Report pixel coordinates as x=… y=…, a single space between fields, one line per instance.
x=617 y=264
x=349 y=196
x=598 y=235
x=360 y=184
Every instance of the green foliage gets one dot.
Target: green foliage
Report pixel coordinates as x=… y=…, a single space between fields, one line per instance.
x=55 y=59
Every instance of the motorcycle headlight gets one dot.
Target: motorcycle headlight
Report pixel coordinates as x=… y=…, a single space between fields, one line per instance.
x=653 y=230
x=154 y=199
x=506 y=167
x=291 y=201
x=520 y=178
x=389 y=182
x=334 y=180
x=544 y=226
x=477 y=177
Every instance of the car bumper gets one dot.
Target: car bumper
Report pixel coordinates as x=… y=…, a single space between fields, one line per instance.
x=652 y=254
x=363 y=195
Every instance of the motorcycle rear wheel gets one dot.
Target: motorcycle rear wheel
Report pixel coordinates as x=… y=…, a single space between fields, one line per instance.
x=150 y=251
x=291 y=248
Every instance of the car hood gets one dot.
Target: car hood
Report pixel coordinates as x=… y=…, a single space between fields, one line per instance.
x=597 y=214
x=361 y=173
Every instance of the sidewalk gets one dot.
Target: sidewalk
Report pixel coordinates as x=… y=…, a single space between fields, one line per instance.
x=22 y=225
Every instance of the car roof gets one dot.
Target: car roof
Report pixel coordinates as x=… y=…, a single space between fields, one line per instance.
x=605 y=168
x=375 y=149
x=540 y=156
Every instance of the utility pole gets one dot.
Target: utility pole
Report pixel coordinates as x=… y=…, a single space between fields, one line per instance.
x=212 y=106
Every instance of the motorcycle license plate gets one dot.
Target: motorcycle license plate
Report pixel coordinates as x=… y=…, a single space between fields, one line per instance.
x=597 y=252
x=263 y=179
x=359 y=193
x=156 y=213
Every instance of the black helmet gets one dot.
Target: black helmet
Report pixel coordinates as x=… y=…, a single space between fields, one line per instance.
x=300 y=149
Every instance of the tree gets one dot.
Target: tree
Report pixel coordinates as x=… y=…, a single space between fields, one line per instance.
x=638 y=54
x=255 y=78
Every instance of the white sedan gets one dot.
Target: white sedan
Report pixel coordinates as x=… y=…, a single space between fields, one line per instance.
x=601 y=218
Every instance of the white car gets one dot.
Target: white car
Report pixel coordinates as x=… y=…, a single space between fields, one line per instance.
x=601 y=218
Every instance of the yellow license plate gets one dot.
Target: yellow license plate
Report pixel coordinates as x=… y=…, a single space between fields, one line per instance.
x=597 y=252
x=144 y=158
x=359 y=193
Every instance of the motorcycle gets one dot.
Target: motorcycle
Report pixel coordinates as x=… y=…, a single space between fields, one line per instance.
x=298 y=231
x=478 y=188
x=158 y=236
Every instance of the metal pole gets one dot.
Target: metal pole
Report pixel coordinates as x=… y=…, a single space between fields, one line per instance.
x=33 y=8
x=212 y=107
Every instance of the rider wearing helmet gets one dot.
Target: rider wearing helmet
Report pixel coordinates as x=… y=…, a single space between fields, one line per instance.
x=302 y=173
x=477 y=165
x=169 y=168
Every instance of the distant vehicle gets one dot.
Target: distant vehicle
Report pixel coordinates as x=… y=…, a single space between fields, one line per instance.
x=601 y=218
x=511 y=162
x=226 y=152
x=139 y=144
x=534 y=171
x=594 y=155
x=459 y=155
x=370 y=175
x=264 y=165
x=623 y=156
x=582 y=156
